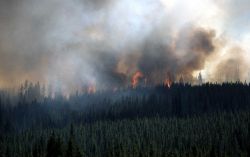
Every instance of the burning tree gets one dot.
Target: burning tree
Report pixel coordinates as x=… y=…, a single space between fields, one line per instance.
x=169 y=80
x=136 y=78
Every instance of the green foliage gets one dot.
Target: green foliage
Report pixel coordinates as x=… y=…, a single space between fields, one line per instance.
x=78 y=152
x=189 y=121
x=54 y=147
x=7 y=153
x=69 y=151
x=220 y=134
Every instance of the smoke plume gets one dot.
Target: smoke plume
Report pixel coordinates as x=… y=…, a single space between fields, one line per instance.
x=71 y=45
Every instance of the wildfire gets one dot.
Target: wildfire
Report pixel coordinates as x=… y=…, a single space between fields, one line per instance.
x=91 y=89
x=135 y=79
x=168 y=83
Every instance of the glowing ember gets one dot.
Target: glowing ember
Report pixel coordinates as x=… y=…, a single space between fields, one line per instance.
x=135 y=79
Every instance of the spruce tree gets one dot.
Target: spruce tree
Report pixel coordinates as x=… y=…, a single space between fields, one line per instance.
x=54 y=147
x=78 y=152
x=69 y=151
x=7 y=152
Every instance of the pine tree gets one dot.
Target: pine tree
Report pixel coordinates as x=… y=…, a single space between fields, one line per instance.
x=35 y=152
x=78 y=152
x=50 y=146
x=54 y=147
x=1 y=151
x=7 y=152
x=248 y=137
x=69 y=151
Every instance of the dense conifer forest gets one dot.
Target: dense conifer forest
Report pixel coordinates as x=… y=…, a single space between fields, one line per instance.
x=182 y=120
x=124 y=78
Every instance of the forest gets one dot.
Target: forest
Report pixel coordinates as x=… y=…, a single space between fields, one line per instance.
x=183 y=120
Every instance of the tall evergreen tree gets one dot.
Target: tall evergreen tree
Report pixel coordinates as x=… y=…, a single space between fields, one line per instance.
x=70 y=148
x=54 y=147
x=7 y=152
x=78 y=152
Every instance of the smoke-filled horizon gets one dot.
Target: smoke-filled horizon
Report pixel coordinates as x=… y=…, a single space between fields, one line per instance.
x=105 y=43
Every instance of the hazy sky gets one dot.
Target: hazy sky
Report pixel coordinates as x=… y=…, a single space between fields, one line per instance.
x=104 y=42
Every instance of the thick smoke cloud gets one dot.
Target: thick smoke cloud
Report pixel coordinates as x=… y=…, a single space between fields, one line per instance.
x=187 y=53
x=68 y=45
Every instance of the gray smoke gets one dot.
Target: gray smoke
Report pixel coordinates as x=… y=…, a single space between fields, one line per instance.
x=187 y=54
x=73 y=44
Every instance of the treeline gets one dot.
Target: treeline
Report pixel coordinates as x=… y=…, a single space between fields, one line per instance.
x=183 y=120
x=47 y=145
x=34 y=110
x=216 y=135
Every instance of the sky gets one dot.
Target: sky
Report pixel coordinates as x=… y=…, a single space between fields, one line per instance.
x=71 y=44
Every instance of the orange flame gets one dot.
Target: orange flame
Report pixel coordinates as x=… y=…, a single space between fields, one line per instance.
x=91 y=89
x=135 y=79
x=168 y=83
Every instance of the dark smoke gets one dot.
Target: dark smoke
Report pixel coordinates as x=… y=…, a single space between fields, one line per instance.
x=106 y=71
x=70 y=44
x=186 y=55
